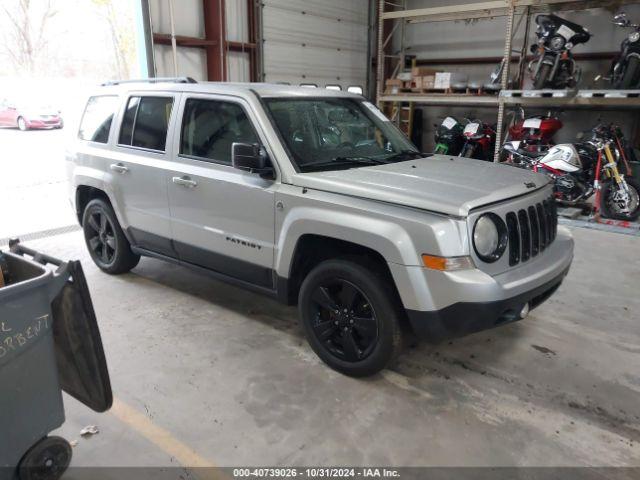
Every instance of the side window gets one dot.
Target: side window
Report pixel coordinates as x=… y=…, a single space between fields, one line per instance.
x=145 y=122
x=210 y=127
x=97 y=118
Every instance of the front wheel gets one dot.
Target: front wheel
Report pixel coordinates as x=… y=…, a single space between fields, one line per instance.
x=617 y=204
x=107 y=244
x=349 y=317
x=46 y=460
x=631 y=76
x=543 y=76
x=22 y=124
x=467 y=151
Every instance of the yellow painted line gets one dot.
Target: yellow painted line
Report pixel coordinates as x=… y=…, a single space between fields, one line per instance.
x=163 y=439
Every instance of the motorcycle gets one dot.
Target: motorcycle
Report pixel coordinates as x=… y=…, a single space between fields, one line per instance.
x=449 y=138
x=582 y=170
x=479 y=141
x=554 y=65
x=625 y=71
x=535 y=133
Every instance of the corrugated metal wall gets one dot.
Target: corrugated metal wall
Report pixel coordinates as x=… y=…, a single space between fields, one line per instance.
x=318 y=42
x=188 y=21
x=323 y=42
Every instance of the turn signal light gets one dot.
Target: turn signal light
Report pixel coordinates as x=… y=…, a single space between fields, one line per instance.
x=447 y=264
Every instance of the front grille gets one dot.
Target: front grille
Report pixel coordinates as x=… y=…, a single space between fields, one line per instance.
x=531 y=231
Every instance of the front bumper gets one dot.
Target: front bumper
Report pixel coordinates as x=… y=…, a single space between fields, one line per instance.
x=443 y=305
x=464 y=318
x=43 y=124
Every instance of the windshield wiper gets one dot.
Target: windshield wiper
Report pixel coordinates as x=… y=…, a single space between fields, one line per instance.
x=404 y=155
x=367 y=160
x=342 y=161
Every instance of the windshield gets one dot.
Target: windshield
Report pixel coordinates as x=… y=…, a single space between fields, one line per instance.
x=338 y=133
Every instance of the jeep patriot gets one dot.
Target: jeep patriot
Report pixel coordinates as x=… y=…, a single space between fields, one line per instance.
x=314 y=197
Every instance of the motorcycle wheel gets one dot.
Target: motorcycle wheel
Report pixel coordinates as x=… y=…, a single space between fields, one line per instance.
x=543 y=75
x=631 y=74
x=467 y=152
x=609 y=208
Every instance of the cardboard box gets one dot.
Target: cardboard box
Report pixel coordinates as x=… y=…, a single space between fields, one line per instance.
x=394 y=82
x=429 y=82
x=422 y=71
x=445 y=80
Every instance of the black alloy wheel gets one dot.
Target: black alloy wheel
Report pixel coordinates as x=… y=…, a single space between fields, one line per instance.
x=101 y=237
x=351 y=315
x=107 y=243
x=344 y=321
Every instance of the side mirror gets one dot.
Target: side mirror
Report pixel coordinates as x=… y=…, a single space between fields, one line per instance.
x=251 y=158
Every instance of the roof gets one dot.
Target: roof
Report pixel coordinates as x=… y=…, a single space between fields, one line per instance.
x=262 y=89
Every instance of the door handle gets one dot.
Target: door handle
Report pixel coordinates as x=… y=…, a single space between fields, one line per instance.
x=119 y=167
x=185 y=182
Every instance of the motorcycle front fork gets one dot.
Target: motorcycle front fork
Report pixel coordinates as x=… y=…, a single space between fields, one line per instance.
x=610 y=169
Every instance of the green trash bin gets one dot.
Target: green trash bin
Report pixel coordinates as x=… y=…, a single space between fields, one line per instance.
x=49 y=342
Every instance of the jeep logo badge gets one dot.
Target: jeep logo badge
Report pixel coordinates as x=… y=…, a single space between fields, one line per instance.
x=530 y=185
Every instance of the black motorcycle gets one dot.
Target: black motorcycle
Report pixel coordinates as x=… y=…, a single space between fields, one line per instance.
x=554 y=65
x=625 y=71
x=449 y=138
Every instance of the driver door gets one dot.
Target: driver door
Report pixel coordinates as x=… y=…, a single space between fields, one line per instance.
x=222 y=219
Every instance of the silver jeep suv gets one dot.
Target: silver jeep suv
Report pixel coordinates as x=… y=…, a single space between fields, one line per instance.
x=312 y=196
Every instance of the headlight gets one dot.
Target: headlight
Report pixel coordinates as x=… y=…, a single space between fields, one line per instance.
x=489 y=237
x=557 y=43
x=634 y=37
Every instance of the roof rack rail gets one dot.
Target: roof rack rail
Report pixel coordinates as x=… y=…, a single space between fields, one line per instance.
x=151 y=80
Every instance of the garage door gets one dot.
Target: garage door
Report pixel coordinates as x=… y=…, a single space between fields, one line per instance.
x=319 y=43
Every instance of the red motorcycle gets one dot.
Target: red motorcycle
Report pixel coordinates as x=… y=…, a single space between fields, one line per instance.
x=479 y=141
x=535 y=133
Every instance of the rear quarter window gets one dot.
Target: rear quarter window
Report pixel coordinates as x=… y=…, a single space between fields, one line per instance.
x=97 y=118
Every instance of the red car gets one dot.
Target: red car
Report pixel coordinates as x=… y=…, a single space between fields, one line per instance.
x=27 y=117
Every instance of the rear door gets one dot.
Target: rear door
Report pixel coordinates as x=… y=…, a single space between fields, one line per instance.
x=222 y=218
x=137 y=169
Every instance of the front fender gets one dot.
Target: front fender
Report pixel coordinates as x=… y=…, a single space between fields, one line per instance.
x=385 y=237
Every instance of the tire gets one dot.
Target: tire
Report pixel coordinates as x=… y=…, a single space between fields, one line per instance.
x=608 y=211
x=541 y=79
x=22 y=124
x=631 y=74
x=361 y=339
x=467 y=151
x=109 y=248
x=46 y=460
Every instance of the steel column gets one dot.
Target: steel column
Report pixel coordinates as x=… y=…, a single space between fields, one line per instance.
x=215 y=30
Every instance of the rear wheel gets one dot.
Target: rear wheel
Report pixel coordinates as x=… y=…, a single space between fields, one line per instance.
x=631 y=76
x=349 y=317
x=541 y=79
x=46 y=460
x=616 y=204
x=22 y=124
x=107 y=244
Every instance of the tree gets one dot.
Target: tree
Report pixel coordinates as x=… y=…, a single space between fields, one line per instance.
x=121 y=38
x=27 y=40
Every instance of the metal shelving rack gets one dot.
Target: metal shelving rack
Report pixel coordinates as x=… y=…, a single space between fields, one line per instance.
x=484 y=10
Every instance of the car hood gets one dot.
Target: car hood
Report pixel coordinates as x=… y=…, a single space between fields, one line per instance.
x=450 y=185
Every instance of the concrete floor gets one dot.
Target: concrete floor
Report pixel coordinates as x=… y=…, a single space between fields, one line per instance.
x=208 y=374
